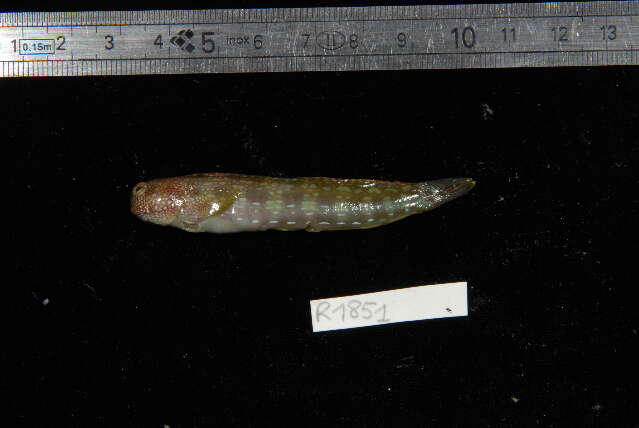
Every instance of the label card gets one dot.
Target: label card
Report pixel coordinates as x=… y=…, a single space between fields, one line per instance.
x=391 y=306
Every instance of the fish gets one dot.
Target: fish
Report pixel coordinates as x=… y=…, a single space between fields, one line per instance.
x=227 y=203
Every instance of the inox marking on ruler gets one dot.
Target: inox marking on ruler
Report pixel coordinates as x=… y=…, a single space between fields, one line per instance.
x=319 y=39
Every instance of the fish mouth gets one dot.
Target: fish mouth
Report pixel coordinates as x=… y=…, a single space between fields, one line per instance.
x=138 y=205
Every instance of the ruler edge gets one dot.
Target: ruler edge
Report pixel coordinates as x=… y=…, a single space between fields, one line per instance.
x=327 y=13
x=74 y=68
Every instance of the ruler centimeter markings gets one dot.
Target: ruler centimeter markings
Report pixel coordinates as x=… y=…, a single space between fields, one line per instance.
x=319 y=39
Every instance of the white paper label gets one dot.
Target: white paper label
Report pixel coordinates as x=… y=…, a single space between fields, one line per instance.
x=391 y=306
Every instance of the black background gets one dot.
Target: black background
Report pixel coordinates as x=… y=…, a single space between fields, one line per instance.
x=146 y=326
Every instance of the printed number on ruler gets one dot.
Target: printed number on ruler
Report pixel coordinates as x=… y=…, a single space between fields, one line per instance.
x=570 y=34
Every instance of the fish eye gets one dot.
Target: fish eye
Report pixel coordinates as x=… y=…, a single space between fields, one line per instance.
x=139 y=188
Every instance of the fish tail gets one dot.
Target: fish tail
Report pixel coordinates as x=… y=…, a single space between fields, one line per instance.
x=437 y=192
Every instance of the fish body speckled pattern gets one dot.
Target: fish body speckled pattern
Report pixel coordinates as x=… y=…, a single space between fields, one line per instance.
x=225 y=203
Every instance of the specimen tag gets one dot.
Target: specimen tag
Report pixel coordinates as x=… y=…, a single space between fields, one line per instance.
x=391 y=306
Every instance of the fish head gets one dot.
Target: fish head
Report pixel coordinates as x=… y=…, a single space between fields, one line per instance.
x=158 y=201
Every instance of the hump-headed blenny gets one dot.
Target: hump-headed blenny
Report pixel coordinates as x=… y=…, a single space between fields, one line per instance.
x=223 y=203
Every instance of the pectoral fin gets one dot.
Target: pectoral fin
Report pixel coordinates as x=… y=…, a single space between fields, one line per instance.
x=222 y=201
x=205 y=206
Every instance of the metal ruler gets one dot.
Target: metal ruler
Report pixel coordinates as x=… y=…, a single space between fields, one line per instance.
x=319 y=39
